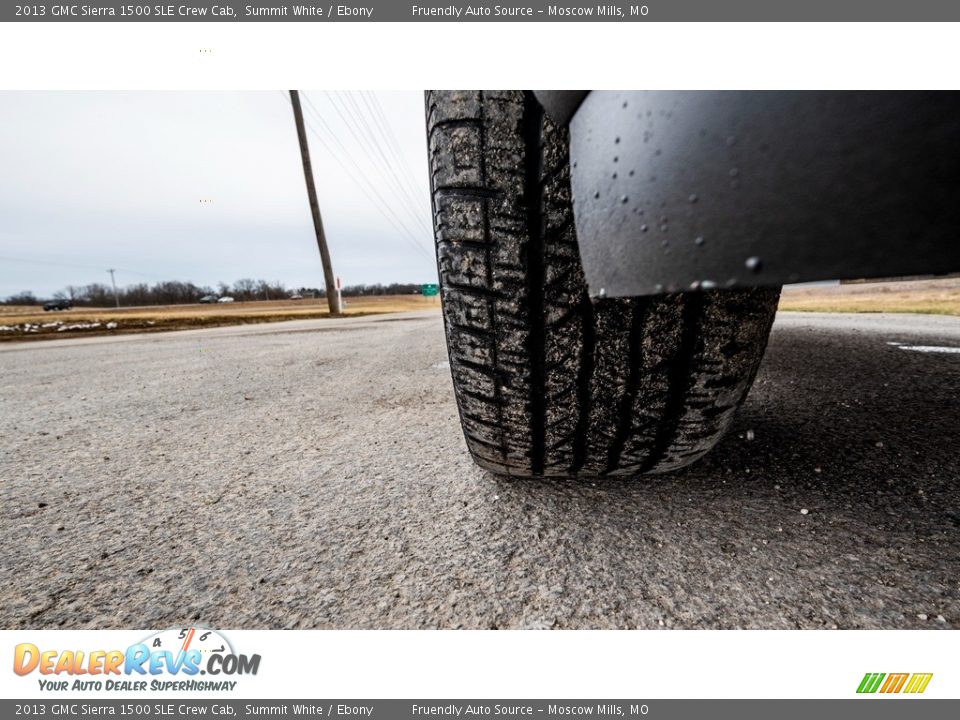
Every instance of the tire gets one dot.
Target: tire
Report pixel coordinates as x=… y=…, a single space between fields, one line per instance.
x=548 y=381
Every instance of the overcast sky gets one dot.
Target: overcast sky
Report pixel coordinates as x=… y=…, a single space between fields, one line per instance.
x=90 y=181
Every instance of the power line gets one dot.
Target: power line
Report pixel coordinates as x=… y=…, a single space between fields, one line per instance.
x=364 y=141
x=385 y=208
x=410 y=190
x=380 y=118
x=365 y=185
x=367 y=145
x=365 y=127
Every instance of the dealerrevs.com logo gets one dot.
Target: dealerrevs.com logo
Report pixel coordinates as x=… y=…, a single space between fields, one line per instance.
x=170 y=660
x=911 y=683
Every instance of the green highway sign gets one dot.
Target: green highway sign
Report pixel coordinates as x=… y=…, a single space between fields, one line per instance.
x=430 y=289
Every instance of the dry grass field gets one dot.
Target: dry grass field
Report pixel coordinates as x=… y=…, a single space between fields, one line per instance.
x=19 y=322
x=931 y=297
x=939 y=297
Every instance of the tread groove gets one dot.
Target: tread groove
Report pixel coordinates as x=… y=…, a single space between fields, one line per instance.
x=681 y=376
x=497 y=388
x=634 y=363
x=474 y=193
x=481 y=245
x=584 y=378
x=474 y=332
x=532 y=122
x=473 y=289
x=452 y=123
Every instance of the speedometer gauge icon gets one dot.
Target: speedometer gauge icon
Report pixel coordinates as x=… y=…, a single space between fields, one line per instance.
x=181 y=640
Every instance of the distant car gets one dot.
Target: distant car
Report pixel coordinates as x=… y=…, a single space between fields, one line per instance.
x=225 y=299
x=57 y=305
x=207 y=299
x=296 y=296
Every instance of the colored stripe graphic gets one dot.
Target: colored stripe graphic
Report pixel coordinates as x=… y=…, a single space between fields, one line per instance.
x=918 y=682
x=895 y=683
x=870 y=682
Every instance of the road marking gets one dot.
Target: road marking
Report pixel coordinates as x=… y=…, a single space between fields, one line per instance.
x=930 y=348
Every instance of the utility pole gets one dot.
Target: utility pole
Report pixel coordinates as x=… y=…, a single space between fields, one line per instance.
x=116 y=298
x=333 y=301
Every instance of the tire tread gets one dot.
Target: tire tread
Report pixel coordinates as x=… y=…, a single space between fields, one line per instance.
x=548 y=381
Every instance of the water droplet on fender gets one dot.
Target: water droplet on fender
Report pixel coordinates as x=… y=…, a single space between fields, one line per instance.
x=753 y=263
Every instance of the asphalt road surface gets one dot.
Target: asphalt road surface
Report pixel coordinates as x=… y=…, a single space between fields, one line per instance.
x=312 y=474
